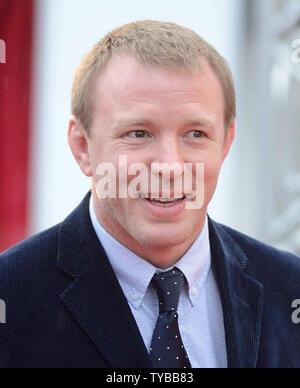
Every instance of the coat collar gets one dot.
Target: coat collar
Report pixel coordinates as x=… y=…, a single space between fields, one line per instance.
x=241 y=295
x=97 y=302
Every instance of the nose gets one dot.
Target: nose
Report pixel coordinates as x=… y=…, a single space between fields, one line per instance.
x=168 y=164
x=168 y=152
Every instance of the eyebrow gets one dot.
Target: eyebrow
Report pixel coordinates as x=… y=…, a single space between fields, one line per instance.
x=130 y=122
x=203 y=122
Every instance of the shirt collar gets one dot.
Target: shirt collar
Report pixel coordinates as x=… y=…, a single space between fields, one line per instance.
x=196 y=264
x=135 y=274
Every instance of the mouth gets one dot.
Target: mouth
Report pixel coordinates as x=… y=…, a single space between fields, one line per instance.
x=164 y=208
x=164 y=202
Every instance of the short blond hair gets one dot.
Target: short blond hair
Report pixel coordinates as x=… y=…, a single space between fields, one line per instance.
x=162 y=44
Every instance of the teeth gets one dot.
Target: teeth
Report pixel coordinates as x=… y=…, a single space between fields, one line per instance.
x=165 y=202
x=187 y=196
x=163 y=199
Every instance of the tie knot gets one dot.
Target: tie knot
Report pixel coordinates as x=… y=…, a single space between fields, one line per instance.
x=168 y=286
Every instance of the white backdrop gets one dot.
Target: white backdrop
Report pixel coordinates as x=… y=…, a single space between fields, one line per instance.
x=65 y=31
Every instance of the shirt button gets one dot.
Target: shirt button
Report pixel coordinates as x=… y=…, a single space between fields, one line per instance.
x=135 y=296
x=194 y=291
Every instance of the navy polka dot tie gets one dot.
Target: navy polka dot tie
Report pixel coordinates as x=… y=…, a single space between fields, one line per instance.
x=167 y=349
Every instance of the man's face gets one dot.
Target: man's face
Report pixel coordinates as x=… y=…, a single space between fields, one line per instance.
x=154 y=115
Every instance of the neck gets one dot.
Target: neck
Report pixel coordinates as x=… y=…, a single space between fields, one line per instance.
x=162 y=257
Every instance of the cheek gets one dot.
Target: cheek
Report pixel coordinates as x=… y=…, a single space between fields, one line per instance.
x=98 y=156
x=211 y=175
x=212 y=169
x=102 y=151
x=115 y=209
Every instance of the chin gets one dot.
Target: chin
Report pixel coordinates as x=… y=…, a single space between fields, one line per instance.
x=162 y=240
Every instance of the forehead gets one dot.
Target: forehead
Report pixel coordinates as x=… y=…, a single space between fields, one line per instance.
x=126 y=84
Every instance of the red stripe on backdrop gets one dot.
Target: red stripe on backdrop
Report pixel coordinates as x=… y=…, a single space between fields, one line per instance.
x=16 y=25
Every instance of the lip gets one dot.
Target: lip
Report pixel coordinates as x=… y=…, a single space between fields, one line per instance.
x=164 y=195
x=164 y=211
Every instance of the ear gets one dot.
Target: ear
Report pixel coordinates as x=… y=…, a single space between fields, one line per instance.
x=229 y=138
x=78 y=142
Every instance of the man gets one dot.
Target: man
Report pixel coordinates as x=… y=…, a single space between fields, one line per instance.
x=149 y=280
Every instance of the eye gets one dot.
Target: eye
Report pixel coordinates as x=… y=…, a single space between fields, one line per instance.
x=137 y=134
x=196 y=134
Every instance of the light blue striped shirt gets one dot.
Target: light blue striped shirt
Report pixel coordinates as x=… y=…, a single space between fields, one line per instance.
x=200 y=311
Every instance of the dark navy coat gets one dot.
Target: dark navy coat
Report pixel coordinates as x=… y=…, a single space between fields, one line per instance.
x=65 y=307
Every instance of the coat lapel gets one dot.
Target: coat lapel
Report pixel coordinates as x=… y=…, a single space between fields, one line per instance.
x=241 y=296
x=95 y=297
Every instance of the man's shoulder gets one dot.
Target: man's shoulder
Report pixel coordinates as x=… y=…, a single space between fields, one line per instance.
x=261 y=256
x=31 y=253
x=34 y=262
x=255 y=246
